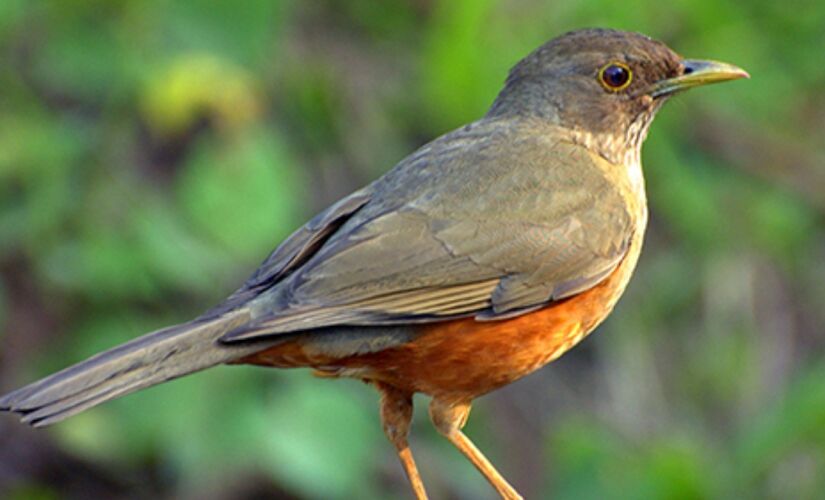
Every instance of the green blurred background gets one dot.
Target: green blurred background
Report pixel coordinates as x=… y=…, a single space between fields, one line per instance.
x=153 y=152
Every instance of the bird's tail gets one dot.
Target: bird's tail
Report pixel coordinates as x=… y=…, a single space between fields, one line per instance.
x=151 y=359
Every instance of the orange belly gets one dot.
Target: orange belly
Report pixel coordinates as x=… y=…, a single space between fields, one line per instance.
x=464 y=358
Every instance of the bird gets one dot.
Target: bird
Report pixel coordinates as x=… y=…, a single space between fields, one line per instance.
x=479 y=258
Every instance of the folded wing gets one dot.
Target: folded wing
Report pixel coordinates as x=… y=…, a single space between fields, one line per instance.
x=492 y=230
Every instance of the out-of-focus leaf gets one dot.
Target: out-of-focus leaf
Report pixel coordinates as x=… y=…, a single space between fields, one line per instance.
x=81 y=55
x=457 y=81
x=593 y=462
x=780 y=224
x=304 y=418
x=794 y=419
x=37 y=157
x=105 y=265
x=580 y=452
x=244 y=193
x=195 y=87
x=244 y=31
x=684 y=195
x=11 y=12
x=31 y=491
x=315 y=107
x=385 y=20
x=179 y=258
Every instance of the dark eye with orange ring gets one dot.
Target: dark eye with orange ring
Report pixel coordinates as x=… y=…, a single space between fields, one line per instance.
x=615 y=76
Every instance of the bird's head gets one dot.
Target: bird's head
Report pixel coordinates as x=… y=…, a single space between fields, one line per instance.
x=605 y=86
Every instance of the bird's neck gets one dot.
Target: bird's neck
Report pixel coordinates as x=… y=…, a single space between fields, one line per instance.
x=613 y=147
x=616 y=137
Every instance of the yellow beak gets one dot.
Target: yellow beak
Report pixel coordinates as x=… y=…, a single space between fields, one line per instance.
x=697 y=73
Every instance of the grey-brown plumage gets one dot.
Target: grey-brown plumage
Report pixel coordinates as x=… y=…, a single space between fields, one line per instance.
x=143 y=362
x=540 y=200
x=506 y=239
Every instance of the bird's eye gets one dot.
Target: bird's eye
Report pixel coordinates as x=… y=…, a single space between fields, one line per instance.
x=615 y=76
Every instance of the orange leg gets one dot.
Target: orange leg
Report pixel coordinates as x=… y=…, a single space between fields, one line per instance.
x=396 y=413
x=449 y=420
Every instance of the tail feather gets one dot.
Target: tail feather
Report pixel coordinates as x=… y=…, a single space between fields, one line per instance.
x=143 y=362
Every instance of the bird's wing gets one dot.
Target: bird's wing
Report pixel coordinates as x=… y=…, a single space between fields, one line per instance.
x=489 y=229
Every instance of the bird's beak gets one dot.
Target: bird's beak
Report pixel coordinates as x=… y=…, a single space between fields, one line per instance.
x=697 y=73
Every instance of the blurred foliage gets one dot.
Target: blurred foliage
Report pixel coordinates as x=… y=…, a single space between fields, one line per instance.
x=153 y=152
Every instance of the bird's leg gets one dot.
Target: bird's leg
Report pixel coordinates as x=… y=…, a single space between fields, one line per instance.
x=396 y=414
x=449 y=418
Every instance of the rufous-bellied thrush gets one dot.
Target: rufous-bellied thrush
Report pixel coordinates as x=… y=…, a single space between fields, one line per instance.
x=476 y=260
